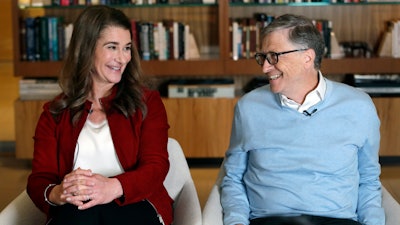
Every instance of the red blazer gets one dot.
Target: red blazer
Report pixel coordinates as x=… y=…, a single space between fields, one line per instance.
x=141 y=146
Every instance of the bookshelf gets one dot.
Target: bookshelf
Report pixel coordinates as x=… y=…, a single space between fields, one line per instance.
x=203 y=125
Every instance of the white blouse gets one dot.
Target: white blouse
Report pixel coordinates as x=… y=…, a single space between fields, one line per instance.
x=95 y=150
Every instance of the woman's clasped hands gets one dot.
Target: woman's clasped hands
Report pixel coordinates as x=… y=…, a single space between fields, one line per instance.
x=85 y=189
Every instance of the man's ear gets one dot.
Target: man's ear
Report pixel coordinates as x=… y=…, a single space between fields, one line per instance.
x=309 y=57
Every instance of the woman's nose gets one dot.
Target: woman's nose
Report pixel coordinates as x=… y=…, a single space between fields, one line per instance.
x=122 y=57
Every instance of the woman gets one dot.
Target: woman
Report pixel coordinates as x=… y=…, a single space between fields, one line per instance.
x=100 y=153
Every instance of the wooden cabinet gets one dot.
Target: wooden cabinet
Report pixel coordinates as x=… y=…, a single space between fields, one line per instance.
x=26 y=116
x=203 y=125
x=389 y=111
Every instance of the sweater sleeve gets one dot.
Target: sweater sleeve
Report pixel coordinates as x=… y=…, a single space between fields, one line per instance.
x=369 y=208
x=234 y=200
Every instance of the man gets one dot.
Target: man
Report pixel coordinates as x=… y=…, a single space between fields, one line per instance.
x=302 y=146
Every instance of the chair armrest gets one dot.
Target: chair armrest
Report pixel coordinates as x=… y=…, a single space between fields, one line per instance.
x=187 y=208
x=22 y=211
x=392 y=208
x=212 y=211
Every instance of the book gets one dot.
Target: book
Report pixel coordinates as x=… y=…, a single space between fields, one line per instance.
x=252 y=37
x=144 y=33
x=378 y=84
x=162 y=40
x=61 y=38
x=186 y=37
x=376 y=80
x=135 y=34
x=22 y=39
x=53 y=39
x=175 y=40
x=169 y=33
x=152 y=28
x=236 y=40
x=44 y=39
x=30 y=38
x=38 y=83
x=37 y=38
x=38 y=89
x=181 y=40
x=200 y=88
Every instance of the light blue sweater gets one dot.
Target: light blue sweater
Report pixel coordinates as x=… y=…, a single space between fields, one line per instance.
x=282 y=162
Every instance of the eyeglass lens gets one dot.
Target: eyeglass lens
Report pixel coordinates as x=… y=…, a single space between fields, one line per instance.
x=271 y=57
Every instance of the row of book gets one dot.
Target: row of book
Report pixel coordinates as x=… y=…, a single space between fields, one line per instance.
x=47 y=38
x=28 y=3
x=245 y=35
x=44 y=38
x=164 y=40
x=307 y=1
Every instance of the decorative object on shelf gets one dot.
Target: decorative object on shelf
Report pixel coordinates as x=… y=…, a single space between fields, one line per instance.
x=356 y=49
x=337 y=51
x=198 y=88
x=390 y=44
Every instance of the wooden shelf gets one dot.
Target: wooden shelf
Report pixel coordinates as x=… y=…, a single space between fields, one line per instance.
x=153 y=68
x=229 y=67
x=186 y=67
x=361 y=65
x=329 y=66
x=37 y=69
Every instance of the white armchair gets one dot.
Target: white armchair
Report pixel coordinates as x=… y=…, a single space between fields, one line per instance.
x=179 y=184
x=212 y=211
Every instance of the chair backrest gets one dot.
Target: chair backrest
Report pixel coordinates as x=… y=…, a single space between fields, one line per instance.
x=181 y=188
x=179 y=172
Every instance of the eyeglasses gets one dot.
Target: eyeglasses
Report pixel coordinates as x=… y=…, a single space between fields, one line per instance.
x=272 y=57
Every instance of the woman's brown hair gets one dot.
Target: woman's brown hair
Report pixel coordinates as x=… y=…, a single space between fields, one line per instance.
x=75 y=78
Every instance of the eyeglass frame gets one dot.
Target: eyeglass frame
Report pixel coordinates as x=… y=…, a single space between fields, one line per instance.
x=274 y=54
